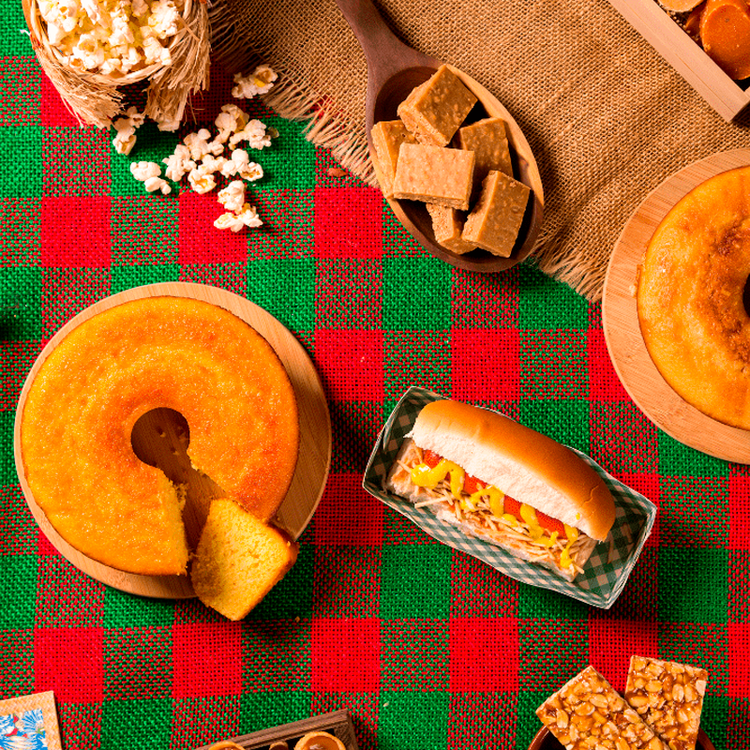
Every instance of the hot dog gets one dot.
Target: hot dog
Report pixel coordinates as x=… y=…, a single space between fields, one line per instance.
x=506 y=483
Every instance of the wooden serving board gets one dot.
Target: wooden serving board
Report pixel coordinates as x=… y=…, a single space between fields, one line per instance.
x=337 y=723
x=161 y=436
x=622 y=332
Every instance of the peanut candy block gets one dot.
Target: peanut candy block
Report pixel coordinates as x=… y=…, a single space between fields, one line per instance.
x=387 y=137
x=669 y=697
x=587 y=712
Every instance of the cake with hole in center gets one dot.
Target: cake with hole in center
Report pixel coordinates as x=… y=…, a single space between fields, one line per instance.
x=183 y=354
x=690 y=297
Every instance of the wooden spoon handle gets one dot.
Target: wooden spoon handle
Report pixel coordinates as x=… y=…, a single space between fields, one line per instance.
x=385 y=53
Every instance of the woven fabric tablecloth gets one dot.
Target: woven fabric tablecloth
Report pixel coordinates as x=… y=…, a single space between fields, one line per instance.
x=427 y=647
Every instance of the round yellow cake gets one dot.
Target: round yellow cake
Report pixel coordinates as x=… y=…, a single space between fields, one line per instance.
x=173 y=352
x=690 y=298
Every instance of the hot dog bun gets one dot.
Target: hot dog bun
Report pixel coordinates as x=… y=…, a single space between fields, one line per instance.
x=519 y=461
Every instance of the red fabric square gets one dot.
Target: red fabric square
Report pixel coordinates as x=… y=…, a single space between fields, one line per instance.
x=68 y=291
x=200 y=240
x=486 y=364
x=739 y=664
x=345 y=655
x=484 y=655
x=75 y=231
x=70 y=662
x=54 y=112
x=613 y=642
x=347 y=514
x=348 y=223
x=207 y=659
x=739 y=512
x=604 y=384
x=350 y=364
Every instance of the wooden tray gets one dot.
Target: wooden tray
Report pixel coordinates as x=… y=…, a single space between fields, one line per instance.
x=622 y=332
x=310 y=474
x=337 y=723
x=651 y=21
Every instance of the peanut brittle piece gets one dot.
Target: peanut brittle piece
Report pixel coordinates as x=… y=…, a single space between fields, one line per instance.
x=669 y=697
x=587 y=712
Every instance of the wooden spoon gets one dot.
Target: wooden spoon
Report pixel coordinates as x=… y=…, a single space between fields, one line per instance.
x=393 y=70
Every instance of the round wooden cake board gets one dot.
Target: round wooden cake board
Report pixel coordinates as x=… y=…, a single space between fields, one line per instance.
x=631 y=360
x=313 y=463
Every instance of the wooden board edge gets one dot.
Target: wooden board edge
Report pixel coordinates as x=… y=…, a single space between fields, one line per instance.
x=652 y=22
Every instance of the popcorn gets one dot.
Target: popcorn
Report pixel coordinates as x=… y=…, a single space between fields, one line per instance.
x=254 y=133
x=212 y=164
x=232 y=197
x=179 y=163
x=143 y=170
x=152 y=184
x=230 y=120
x=248 y=217
x=258 y=82
x=201 y=180
x=111 y=36
x=251 y=171
x=126 y=127
x=197 y=143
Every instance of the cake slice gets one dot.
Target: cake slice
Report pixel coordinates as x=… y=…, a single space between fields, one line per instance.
x=239 y=559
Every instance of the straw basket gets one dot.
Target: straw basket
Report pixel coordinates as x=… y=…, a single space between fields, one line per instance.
x=95 y=99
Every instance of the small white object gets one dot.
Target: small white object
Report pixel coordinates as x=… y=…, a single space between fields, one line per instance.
x=143 y=170
x=152 y=184
x=254 y=133
x=202 y=181
x=258 y=82
x=232 y=197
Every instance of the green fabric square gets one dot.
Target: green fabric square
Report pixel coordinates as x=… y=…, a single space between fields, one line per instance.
x=554 y=365
x=548 y=651
x=145 y=230
x=565 y=421
x=402 y=717
x=17 y=664
x=289 y=162
x=144 y=724
x=416 y=358
x=21 y=146
x=562 y=307
x=128 y=277
x=349 y=293
x=527 y=722
x=14 y=38
x=683 y=594
x=75 y=161
x=18 y=575
x=18 y=530
x=20 y=231
x=270 y=709
x=535 y=602
x=346 y=581
x=20 y=90
x=123 y=610
x=151 y=145
x=288 y=223
x=676 y=459
x=138 y=663
x=415 y=582
x=415 y=655
x=356 y=425
x=8 y=473
x=286 y=288
x=20 y=303
x=292 y=596
x=416 y=294
x=276 y=655
x=694 y=512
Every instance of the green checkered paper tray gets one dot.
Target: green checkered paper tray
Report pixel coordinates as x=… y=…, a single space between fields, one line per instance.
x=604 y=575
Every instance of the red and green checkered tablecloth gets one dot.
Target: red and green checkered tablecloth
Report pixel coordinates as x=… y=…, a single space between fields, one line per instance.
x=427 y=647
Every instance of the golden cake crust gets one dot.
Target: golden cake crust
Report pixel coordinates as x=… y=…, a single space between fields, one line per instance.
x=690 y=297
x=173 y=352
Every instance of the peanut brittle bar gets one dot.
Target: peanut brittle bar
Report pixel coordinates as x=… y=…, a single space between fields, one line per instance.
x=588 y=713
x=669 y=697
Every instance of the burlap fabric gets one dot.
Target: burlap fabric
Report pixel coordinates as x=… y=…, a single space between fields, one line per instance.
x=607 y=118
